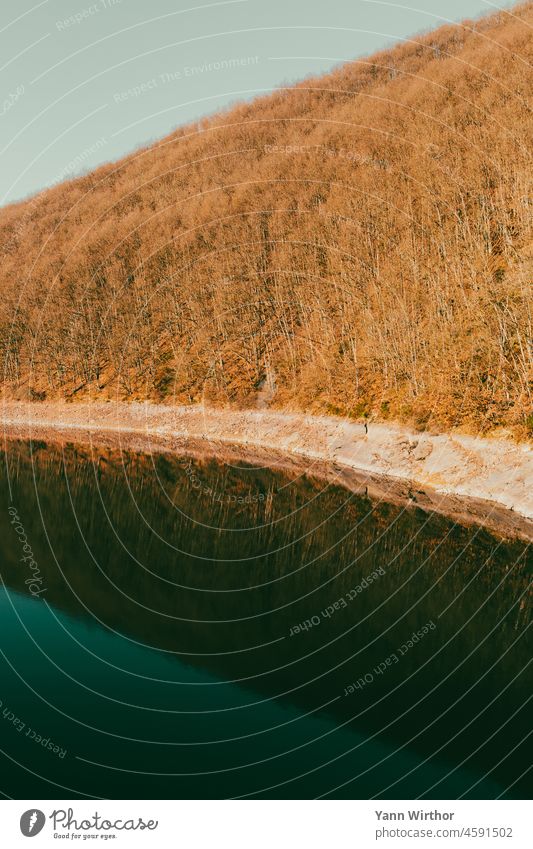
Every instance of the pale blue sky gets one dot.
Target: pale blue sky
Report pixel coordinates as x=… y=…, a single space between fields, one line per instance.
x=85 y=81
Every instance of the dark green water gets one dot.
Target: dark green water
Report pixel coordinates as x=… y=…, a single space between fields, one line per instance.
x=159 y=659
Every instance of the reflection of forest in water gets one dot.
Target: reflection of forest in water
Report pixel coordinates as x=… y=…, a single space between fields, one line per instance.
x=217 y=564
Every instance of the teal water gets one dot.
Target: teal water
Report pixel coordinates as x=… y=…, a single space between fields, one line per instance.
x=167 y=653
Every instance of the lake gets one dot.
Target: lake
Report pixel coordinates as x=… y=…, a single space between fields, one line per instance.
x=181 y=627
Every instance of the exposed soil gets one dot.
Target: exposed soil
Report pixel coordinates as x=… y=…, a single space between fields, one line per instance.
x=471 y=479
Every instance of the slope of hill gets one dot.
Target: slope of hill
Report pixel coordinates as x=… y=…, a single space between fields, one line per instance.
x=358 y=244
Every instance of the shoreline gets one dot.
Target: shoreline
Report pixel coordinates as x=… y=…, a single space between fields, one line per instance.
x=474 y=480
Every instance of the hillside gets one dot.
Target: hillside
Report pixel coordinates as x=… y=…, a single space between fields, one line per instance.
x=358 y=244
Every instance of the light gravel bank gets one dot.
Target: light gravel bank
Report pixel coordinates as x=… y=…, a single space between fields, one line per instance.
x=467 y=477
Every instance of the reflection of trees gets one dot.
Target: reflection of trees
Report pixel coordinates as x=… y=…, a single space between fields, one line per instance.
x=300 y=548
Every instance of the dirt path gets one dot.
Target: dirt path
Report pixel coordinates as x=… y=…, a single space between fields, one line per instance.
x=429 y=467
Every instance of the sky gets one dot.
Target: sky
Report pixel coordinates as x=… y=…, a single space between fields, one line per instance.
x=86 y=81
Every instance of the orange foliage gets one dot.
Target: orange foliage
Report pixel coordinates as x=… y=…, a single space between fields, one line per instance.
x=359 y=243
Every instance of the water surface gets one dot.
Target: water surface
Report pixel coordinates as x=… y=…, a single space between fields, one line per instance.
x=201 y=630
